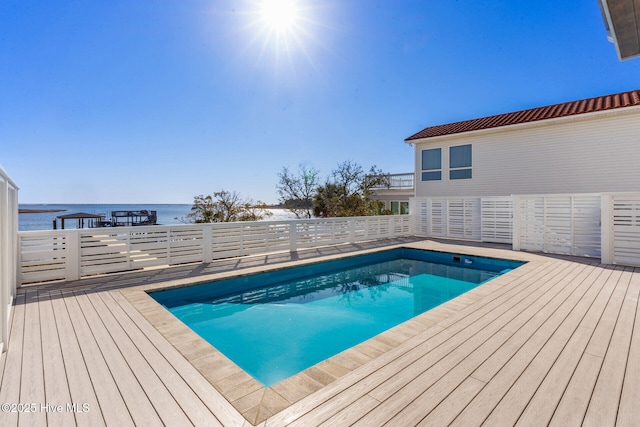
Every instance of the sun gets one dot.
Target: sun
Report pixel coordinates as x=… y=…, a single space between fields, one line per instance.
x=282 y=33
x=279 y=16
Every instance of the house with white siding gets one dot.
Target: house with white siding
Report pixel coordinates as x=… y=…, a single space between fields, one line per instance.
x=585 y=146
x=563 y=178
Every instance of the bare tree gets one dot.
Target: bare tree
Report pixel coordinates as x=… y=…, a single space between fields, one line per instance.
x=297 y=190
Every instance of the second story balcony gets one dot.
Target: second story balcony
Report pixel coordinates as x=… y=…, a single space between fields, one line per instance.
x=398 y=181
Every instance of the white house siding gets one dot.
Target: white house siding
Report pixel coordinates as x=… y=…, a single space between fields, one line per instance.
x=590 y=153
x=388 y=196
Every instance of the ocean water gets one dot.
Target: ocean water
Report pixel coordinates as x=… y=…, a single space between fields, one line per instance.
x=167 y=214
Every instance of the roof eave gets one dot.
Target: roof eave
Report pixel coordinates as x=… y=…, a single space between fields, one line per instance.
x=576 y=117
x=623 y=32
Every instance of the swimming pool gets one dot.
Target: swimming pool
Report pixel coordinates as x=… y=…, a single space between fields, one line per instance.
x=276 y=324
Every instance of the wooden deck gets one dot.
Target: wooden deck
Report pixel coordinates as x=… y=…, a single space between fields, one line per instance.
x=555 y=342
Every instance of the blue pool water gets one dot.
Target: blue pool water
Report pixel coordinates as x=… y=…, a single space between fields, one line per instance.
x=276 y=324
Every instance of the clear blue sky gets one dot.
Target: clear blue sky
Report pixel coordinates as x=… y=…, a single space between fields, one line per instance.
x=157 y=101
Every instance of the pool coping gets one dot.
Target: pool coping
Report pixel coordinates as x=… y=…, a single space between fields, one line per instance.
x=251 y=399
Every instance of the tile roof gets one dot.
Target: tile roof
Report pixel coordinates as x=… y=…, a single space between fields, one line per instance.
x=599 y=103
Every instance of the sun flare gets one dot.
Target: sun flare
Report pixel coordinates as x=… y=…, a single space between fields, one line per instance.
x=279 y=15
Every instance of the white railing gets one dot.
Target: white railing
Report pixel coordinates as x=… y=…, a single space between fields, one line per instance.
x=72 y=254
x=8 y=251
x=398 y=181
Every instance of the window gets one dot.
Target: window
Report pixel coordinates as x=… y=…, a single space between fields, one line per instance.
x=460 y=162
x=432 y=164
x=399 y=208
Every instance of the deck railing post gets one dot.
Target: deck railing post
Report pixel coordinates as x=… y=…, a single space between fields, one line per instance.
x=392 y=226
x=293 y=236
x=606 y=226
x=515 y=224
x=72 y=259
x=352 y=230
x=207 y=243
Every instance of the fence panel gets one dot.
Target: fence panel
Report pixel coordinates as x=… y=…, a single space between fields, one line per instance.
x=104 y=250
x=496 y=219
x=560 y=224
x=586 y=225
x=625 y=214
x=43 y=257
x=186 y=244
x=330 y=231
x=438 y=218
x=464 y=218
x=420 y=212
x=531 y=223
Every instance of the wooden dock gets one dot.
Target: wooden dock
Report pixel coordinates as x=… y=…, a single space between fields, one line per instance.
x=555 y=342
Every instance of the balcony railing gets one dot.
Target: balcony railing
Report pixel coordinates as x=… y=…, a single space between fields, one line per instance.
x=397 y=181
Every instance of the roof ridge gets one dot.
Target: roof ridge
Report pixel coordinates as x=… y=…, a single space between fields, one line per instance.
x=563 y=109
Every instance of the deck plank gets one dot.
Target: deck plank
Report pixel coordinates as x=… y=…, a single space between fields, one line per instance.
x=79 y=381
x=140 y=408
x=32 y=380
x=545 y=400
x=573 y=405
x=445 y=412
x=345 y=417
x=559 y=328
x=505 y=366
x=223 y=410
x=629 y=410
x=112 y=404
x=55 y=378
x=188 y=401
x=603 y=407
x=161 y=399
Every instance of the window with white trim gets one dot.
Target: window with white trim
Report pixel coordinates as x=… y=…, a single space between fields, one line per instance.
x=432 y=164
x=460 y=162
x=399 y=208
